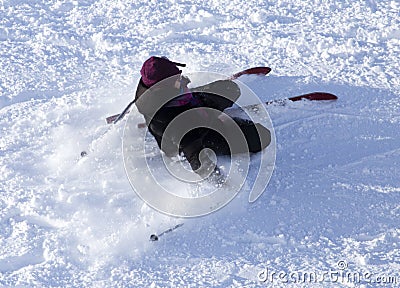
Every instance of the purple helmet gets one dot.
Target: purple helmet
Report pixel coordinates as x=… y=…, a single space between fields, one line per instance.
x=156 y=69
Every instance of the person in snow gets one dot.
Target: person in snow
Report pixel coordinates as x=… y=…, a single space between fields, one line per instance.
x=162 y=95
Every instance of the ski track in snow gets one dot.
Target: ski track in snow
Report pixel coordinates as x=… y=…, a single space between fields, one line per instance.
x=67 y=221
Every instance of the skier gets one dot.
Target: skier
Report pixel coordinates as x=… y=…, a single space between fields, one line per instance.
x=162 y=95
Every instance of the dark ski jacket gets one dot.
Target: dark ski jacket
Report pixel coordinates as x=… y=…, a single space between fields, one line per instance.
x=158 y=112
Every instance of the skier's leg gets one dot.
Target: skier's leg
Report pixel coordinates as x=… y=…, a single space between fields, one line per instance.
x=257 y=136
x=191 y=146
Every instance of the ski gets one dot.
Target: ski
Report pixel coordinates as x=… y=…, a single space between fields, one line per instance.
x=250 y=71
x=155 y=237
x=314 y=96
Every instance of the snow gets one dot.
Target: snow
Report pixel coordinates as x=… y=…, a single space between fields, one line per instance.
x=333 y=199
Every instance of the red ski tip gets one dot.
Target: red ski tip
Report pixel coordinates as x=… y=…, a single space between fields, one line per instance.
x=315 y=96
x=250 y=71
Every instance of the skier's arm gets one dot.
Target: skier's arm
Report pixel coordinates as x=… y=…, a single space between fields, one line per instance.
x=219 y=95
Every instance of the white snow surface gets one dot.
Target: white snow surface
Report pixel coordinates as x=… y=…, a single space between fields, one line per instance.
x=334 y=196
